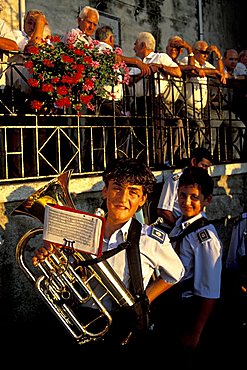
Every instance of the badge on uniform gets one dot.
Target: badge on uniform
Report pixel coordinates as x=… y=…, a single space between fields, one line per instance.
x=175 y=177
x=158 y=234
x=203 y=236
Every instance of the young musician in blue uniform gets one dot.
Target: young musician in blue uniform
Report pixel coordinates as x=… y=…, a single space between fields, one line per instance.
x=190 y=305
x=127 y=184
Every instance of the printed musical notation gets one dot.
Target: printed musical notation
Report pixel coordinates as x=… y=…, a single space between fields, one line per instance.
x=72 y=228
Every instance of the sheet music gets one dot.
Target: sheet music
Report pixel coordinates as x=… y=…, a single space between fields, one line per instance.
x=73 y=229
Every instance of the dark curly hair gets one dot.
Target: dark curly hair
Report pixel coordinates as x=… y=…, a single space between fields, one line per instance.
x=198 y=176
x=130 y=170
x=200 y=153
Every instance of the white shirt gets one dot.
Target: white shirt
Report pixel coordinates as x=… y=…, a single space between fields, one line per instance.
x=160 y=58
x=157 y=254
x=21 y=39
x=196 y=87
x=201 y=254
x=5 y=31
x=173 y=89
x=240 y=69
x=169 y=195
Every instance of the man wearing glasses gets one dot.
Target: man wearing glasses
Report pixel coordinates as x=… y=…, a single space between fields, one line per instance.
x=194 y=94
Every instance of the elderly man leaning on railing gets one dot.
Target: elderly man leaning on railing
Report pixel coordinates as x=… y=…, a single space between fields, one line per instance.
x=147 y=96
x=36 y=32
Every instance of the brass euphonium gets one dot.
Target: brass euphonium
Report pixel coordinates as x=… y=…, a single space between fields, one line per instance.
x=61 y=279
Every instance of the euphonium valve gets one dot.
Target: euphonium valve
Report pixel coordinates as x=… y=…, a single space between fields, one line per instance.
x=64 y=278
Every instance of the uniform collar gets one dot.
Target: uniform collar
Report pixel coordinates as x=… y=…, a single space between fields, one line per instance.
x=121 y=234
x=186 y=223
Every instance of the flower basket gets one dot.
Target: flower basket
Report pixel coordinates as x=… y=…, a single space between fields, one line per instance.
x=72 y=75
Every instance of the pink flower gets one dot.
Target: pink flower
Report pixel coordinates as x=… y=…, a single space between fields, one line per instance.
x=95 y=64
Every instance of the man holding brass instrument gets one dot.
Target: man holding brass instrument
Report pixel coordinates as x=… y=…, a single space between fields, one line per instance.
x=136 y=252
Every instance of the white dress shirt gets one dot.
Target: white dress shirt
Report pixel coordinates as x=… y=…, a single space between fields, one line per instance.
x=159 y=58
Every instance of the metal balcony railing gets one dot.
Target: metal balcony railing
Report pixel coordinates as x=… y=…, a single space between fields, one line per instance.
x=157 y=128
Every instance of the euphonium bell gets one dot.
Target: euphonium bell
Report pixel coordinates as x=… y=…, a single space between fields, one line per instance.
x=54 y=192
x=62 y=279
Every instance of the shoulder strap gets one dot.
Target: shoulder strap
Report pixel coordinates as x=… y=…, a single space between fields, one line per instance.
x=106 y=254
x=193 y=227
x=141 y=305
x=134 y=258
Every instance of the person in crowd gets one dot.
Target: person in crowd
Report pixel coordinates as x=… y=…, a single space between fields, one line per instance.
x=241 y=67
x=235 y=272
x=7 y=43
x=162 y=66
x=240 y=91
x=105 y=36
x=127 y=184
x=193 y=98
x=230 y=60
x=111 y=105
x=175 y=48
x=168 y=209
x=88 y=20
x=36 y=31
x=191 y=308
x=235 y=96
x=7 y=38
x=87 y=23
